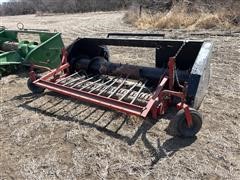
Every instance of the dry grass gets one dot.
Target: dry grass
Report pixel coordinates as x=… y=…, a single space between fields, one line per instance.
x=183 y=16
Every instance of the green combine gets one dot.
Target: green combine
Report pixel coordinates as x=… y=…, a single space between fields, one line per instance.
x=25 y=47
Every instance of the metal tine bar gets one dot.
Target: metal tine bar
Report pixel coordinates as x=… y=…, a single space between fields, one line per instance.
x=84 y=81
x=91 y=83
x=129 y=91
x=140 y=90
x=74 y=80
x=102 y=85
x=66 y=78
x=116 y=90
x=106 y=88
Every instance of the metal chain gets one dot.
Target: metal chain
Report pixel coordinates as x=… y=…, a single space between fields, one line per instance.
x=175 y=69
x=179 y=50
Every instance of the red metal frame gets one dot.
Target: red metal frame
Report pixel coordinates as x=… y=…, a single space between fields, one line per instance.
x=157 y=104
x=187 y=113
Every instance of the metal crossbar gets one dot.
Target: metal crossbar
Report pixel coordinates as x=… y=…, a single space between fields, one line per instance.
x=116 y=90
x=91 y=83
x=66 y=78
x=77 y=84
x=101 y=85
x=140 y=90
x=74 y=80
x=129 y=91
x=106 y=88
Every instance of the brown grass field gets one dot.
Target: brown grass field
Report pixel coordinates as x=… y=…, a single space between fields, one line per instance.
x=188 y=15
x=53 y=137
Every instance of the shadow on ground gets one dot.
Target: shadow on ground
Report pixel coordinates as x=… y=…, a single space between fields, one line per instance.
x=167 y=149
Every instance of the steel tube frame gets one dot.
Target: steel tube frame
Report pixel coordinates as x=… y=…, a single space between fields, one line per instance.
x=115 y=104
x=108 y=102
x=92 y=98
x=148 y=43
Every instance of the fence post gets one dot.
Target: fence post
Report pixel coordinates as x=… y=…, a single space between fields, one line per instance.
x=140 y=10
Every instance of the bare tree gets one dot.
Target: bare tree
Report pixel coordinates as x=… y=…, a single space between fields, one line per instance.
x=14 y=7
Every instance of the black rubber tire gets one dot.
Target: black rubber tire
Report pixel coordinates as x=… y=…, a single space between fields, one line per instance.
x=182 y=127
x=32 y=87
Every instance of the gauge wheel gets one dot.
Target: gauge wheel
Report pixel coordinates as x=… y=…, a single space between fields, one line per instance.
x=32 y=87
x=182 y=126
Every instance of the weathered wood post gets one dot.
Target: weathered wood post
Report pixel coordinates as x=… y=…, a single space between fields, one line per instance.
x=140 y=10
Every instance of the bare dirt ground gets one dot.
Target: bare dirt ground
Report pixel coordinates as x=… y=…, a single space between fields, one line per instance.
x=53 y=137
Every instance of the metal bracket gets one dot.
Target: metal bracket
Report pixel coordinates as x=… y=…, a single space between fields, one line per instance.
x=188 y=115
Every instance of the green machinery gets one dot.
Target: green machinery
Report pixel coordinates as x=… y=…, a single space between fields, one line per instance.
x=25 y=47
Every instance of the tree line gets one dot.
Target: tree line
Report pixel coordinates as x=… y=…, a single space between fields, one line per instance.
x=18 y=7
